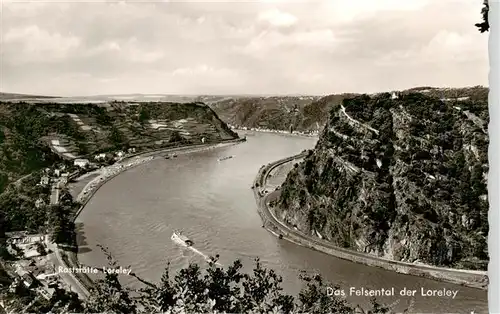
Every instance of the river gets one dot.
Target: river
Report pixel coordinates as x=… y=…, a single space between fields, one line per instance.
x=135 y=213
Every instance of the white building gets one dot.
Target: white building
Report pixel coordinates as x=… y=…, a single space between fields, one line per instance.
x=120 y=154
x=81 y=162
x=45 y=180
x=100 y=156
x=64 y=178
x=47 y=293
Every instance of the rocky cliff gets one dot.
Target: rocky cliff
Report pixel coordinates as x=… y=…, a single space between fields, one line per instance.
x=399 y=176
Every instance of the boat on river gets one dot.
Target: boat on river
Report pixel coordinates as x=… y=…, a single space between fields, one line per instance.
x=179 y=237
x=225 y=158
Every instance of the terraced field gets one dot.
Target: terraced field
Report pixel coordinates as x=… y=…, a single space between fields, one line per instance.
x=77 y=130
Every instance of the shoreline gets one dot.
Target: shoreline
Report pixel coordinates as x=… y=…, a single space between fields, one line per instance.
x=281 y=132
x=84 y=196
x=469 y=278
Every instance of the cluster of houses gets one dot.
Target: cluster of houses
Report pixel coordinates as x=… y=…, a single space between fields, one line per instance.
x=33 y=277
x=31 y=272
x=82 y=163
x=60 y=172
x=31 y=269
x=108 y=156
x=244 y=128
x=28 y=243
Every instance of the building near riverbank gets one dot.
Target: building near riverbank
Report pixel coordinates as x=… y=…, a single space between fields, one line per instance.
x=81 y=162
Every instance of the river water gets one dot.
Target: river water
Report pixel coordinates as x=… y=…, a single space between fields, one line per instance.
x=135 y=213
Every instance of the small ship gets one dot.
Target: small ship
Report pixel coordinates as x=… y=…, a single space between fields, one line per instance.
x=225 y=158
x=178 y=236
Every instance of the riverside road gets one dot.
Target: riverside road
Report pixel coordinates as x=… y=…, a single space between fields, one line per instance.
x=476 y=279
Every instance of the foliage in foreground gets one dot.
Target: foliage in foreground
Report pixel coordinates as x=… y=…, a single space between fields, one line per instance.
x=218 y=290
x=484 y=26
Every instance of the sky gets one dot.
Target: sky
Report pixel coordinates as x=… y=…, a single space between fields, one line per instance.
x=72 y=48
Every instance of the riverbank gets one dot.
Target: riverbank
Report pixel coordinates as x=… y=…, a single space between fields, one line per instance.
x=70 y=258
x=282 y=132
x=469 y=278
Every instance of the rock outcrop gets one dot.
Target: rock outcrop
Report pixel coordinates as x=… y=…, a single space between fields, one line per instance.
x=399 y=176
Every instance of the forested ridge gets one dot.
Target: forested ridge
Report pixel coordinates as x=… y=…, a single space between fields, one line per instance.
x=402 y=177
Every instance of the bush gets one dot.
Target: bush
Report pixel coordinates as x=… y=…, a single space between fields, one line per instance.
x=217 y=290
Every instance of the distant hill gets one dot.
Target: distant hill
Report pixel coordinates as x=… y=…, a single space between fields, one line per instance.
x=33 y=135
x=12 y=96
x=307 y=113
x=274 y=112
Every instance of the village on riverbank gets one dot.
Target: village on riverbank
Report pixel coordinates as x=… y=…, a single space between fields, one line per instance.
x=314 y=133
x=33 y=263
x=36 y=257
x=55 y=156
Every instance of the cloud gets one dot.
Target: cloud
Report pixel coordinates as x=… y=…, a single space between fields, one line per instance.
x=129 y=50
x=268 y=41
x=277 y=18
x=203 y=71
x=32 y=44
x=322 y=46
x=339 y=11
x=453 y=45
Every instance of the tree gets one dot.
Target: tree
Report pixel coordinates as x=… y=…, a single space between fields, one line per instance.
x=18 y=252
x=4 y=254
x=116 y=136
x=485 y=25
x=176 y=137
x=109 y=296
x=40 y=248
x=143 y=114
x=82 y=148
x=102 y=117
x=66 y=198
x=64 y=227
x=62 y=301
x=217 y=290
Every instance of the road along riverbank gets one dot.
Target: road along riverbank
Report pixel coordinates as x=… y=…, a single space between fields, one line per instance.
x=469 y=278
x=69 y=259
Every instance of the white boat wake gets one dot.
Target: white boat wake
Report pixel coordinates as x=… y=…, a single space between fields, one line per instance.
x=194 y=250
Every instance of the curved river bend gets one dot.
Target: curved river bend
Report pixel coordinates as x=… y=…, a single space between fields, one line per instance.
x=135 y=213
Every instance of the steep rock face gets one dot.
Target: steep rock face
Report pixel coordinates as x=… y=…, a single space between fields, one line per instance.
x=399 y=177
x=300 y=113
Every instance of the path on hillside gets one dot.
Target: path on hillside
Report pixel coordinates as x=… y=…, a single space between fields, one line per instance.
x=357 y=122
x=470 y=278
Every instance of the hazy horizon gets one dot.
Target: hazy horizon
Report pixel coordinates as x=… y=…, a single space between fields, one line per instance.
x=236 y=95
x=262 y=48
